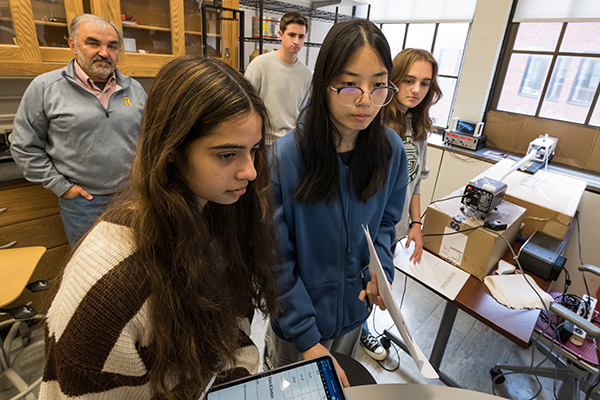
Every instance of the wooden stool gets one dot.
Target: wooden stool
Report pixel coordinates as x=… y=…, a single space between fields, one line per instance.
x=16 y=267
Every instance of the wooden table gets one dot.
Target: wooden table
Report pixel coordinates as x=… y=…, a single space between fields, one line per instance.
x=475 y=299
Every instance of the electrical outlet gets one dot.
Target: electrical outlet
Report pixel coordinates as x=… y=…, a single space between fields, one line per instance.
x=226 y=55
x=586 y=310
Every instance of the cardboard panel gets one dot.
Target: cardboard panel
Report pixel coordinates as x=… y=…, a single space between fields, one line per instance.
x=578 y=146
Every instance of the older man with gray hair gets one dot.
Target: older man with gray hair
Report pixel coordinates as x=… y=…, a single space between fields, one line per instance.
x=76 y=129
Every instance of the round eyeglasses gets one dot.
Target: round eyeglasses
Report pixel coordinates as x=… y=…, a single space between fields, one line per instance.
x=349 y=96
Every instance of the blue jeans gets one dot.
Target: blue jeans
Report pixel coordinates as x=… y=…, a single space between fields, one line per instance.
x=79 y=215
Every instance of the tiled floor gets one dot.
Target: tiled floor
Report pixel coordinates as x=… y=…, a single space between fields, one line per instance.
x=472 y=350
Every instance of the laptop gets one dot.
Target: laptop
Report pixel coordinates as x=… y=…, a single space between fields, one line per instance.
x=316 y=378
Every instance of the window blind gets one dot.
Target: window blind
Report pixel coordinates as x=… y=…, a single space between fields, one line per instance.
x=557 y=10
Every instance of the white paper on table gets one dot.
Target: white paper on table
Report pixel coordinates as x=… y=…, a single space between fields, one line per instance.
x=390 y=303
x=441 y=276
x=513 y=291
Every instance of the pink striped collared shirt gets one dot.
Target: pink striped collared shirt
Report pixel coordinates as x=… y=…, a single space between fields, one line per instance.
x=86 y=82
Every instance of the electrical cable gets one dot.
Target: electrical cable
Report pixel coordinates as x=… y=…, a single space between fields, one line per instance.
x=504 y=152
x=378 y=337
x=454 y=233
x=465 y=159
x=381 y=335
x=592 y=388
x=437 y=201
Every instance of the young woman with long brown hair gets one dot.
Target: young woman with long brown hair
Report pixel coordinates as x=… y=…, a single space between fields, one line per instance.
x=156 y=301
x=415 y=73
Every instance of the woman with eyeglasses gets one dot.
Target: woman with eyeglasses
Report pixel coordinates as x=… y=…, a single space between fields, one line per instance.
x=340 y=170
x=415 y=74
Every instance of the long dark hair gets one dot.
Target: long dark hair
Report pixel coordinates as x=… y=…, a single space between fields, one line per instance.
x=421 y=121
x=208 y=266
x=317 y=137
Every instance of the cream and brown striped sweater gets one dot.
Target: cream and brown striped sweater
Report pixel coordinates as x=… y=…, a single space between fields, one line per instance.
x=97 y=331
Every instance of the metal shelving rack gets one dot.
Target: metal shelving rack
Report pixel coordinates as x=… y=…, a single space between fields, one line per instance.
x=280 y=7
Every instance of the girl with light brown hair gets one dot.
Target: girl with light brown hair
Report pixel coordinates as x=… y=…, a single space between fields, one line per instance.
x=415 y=73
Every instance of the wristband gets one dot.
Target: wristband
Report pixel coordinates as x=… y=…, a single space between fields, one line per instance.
x=414 y=222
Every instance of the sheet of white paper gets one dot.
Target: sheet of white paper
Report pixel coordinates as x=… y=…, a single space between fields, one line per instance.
x=441 y=276
x=453 y=246
x=514 y=292
x=390 y=302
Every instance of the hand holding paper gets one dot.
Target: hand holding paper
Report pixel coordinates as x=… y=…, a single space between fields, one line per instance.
x=371 y=293
x=385 y=293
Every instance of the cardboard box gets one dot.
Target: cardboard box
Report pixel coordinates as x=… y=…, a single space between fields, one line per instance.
x=551 y=199
x=474 y=250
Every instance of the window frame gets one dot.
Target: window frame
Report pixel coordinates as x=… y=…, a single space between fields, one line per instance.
x=555 y=54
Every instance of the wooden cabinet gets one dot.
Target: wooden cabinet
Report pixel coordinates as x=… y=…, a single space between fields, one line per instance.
x=30 y=216
x=34 y=33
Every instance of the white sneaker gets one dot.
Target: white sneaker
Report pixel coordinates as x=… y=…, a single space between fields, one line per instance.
x=373 y=348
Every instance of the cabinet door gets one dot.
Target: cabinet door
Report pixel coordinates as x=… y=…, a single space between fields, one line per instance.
x=26 y=202
x=34 y=35
x=192 y=17
x=51 y=19
x=18 y=44
x=221 y=30
x=230 y=34
x=152 y=32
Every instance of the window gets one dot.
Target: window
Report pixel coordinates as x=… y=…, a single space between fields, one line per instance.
x=395 y=35
x=586 y=82
x=535 y=75
x=551 y=70
x=447 y=42
x=558 y=78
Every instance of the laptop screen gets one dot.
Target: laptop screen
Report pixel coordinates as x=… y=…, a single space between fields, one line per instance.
x=313 y=379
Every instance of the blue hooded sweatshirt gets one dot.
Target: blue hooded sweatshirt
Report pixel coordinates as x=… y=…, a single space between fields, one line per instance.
x=325 y=250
